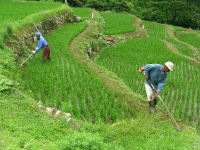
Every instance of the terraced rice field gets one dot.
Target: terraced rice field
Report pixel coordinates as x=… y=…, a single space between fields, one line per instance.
x=19 y=10
x=68 y=85
x=84 y=13
x=182 y=91
x=190 y=38
x=159 y=31
x=116 y=23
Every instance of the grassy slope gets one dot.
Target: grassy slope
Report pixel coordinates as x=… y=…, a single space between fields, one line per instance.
x=22 y=123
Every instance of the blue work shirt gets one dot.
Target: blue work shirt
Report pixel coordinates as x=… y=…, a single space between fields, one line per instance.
x=41 y=43
x=156 y=74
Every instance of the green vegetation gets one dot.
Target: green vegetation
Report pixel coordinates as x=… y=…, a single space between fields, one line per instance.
x=115 y=23
x=181 y=92
x=190 y=38
x=178 y=28
x=19 y=10
x=18 y=20
x=86 y=141
x=70 y=86
x=84 y=13
x=24 y=126
x=79 y=88
x=159 y=31
x=183 y=13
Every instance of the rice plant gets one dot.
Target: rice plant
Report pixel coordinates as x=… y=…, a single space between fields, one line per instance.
x=65 y=83
x=116 y=23
x=180 y=91
x=190 y=38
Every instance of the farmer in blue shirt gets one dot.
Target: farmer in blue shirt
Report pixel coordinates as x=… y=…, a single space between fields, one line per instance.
x=42 y=43
x=157 y=74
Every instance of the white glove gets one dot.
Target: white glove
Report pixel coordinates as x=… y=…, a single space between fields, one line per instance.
x=33 y=52
x=35 y=39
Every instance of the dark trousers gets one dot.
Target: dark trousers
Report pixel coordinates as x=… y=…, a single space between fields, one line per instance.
x=46 y=53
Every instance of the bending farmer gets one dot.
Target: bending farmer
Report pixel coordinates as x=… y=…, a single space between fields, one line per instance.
x=42 y=43
x=157 y=74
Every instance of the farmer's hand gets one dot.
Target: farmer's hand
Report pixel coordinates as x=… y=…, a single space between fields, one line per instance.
x=141 y=69
x=33 y=52
x=158 y=93
x=147 y=78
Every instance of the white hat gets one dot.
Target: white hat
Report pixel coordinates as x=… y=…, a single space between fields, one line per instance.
x=169 y=65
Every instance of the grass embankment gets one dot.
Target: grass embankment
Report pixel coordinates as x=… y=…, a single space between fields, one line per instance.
x=144 y=131
x=115 y=23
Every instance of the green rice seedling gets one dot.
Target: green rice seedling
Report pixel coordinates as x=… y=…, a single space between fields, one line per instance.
x=138 y=52
x=178 y=28
x=190 y=38
x=84 y=13
x=116 y=23
x=159 y=30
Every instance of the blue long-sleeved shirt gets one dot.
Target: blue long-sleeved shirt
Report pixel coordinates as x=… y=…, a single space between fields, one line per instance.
x=41 y=43
x=156 y=75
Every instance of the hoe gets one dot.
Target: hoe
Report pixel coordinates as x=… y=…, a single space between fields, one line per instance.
x=26 y=59
x=30 y=54
x=178 y=128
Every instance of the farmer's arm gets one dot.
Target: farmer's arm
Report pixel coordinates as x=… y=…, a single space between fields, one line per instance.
x=39 y=46
x=161 y=84
x=147 y=70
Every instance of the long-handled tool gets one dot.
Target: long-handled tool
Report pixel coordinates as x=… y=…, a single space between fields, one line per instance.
x=36 y=28
x=178 y=127
x=26 y=59
x=30 y=54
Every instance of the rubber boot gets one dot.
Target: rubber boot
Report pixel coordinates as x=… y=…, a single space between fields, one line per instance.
x=155 y=103
x=151 y=107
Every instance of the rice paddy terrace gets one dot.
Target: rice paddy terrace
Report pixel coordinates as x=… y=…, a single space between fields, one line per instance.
x=106 y=94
